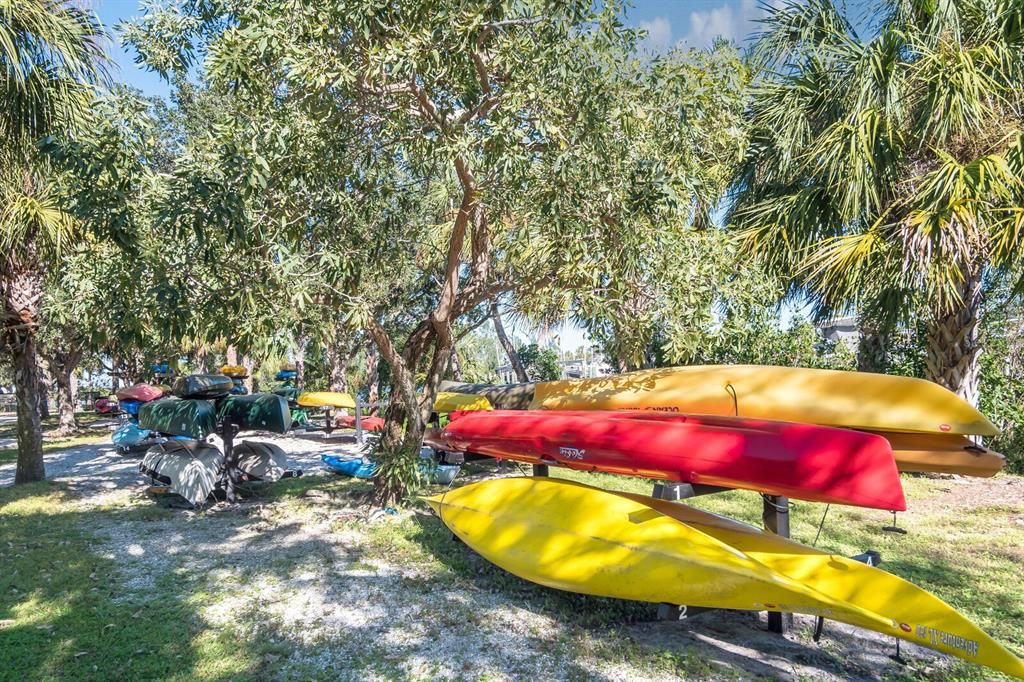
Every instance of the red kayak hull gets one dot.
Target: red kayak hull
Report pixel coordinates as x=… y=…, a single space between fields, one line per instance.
x=347 y=421
x=802 y=461
x=141 y=392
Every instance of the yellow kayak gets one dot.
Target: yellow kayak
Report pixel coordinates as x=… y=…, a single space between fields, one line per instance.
x=460 y=402
x=859 y=400
x=326 y=399
x=234 y=371
x=573 y=537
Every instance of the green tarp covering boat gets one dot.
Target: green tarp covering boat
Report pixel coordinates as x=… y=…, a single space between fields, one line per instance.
x=202 y=386
x=259 y=411
x=190 y=418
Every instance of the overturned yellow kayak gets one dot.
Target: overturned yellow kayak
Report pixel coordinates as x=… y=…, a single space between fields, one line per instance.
x=573 y=537
x=460 y=402
x=859 y=400
x=326 y=399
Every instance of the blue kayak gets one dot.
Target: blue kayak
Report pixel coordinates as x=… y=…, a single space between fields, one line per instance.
x=350 y=466
x=354 y=466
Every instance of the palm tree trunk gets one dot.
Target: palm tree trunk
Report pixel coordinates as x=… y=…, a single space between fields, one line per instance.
x=30 y=427
x=21 y=284
x=506 y=343
x=954 y=350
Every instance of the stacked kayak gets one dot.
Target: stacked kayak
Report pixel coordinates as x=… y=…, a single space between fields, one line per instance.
x=926 y=425
x=191 y=469
x=202 y=386
x=447 y=402
x=238 y=374
x=258 y=412
x=191 y=418
x=202 y=404
x=573 y=537
x=326 y=399
x=348 y=421
x=802 y=461
x=140 y=393
x=129 y=437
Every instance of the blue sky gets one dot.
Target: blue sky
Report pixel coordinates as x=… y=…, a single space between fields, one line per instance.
x=692 y=22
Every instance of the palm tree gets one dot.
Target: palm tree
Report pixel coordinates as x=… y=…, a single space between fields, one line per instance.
x=885 y=173
x=50 y=57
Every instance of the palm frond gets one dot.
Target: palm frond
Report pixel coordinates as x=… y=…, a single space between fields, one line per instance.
x=51 y=55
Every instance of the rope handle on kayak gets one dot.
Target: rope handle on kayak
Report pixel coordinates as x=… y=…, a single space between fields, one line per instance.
x=731 y=390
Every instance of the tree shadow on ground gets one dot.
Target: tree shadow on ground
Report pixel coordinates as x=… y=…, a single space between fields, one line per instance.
x=59 y=601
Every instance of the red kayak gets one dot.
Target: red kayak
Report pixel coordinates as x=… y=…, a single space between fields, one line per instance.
x=141 y=392
x=347 y=421
x=803 y=461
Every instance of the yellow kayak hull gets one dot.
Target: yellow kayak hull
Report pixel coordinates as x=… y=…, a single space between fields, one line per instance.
x=859 y=400
x=573 y=537
x=327 y=399
x=234 y=371
x=942 y=453
x=460 y=402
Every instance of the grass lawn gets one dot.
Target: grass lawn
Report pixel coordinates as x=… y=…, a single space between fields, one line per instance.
x=296 y=583
x=51 y=443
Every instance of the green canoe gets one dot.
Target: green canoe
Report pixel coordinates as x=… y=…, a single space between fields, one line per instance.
x=190 y=418
x=259 y=411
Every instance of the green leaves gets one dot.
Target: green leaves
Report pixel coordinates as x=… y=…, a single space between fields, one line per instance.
x=905 y=143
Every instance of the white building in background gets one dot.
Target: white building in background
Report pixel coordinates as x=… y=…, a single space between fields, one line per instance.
x=586 y=368
x=843 y=329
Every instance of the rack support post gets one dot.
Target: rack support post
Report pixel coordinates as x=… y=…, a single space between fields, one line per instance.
x=776 y=520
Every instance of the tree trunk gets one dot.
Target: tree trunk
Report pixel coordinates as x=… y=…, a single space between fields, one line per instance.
x=62 y=366
x=300 y=361
x=44 y=387
x=456 y=366
x=506 y=343
x=372 y=378
x=231 y=355
x=336 y=356
x=954 y=351
x=30 y=427
x=21 y=283
x=200 y=358
x=250 y=383
x=115 y=373
x=872 y=346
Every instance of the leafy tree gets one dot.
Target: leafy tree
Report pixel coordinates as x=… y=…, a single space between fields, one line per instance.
x=541 y=364
x=49 y=58
x=885 y=172
x=404 y=164
x=764 y=343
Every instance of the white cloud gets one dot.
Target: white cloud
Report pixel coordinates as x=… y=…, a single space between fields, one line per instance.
x=732 y=21
x=659 y=34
